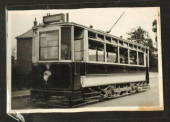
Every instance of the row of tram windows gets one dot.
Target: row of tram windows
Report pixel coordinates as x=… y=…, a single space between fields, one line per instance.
x=114 y=54
x=49 y=47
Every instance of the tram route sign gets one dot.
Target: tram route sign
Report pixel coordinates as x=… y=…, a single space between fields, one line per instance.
x=54 y=18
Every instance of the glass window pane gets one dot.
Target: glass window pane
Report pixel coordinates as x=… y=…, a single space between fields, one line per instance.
x=65 y=52
x=78 y=56
x=78 y=49
x=111 y=57
x=78 y=45
x=92 y=55
x=53 y=35
x=52 y=43
x=66 y=43
x=100 y=55
x=53 y=38
x=52 y=52
x=133 y=57
x=43 y=53
x=49 y=41
x=43 y=42
x=43 y=34
x=141 y=58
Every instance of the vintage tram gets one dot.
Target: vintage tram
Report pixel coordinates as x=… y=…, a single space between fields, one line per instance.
x=74 y=64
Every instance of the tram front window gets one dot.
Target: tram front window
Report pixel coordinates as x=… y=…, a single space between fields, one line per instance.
x=49 y=42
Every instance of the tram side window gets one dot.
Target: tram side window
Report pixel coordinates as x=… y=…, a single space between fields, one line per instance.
x=91 y=34
x=121 y=42
x=108 y=39
x=141 y=58
x=49 y=44
x=131 y=46
x=78 y=43
x=100 y=52
x=100 y=37
x=133 y=57
x=66 y=43
x=111 y=53
x=114 y=40
x=125 y=44
x=96 y=51
x=123 y=55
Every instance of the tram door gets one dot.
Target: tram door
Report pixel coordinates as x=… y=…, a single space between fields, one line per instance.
x=78 y=55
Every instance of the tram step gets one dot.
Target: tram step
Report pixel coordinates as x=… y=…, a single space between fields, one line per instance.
x=92 y=97
x=85 y=103
x=90 y=93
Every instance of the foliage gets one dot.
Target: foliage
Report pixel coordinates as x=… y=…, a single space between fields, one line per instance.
x=138 y=35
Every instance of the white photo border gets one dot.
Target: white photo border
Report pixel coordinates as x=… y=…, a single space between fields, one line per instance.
x=88 y=109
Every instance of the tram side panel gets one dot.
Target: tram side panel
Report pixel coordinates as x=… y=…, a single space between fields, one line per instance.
x=68 y=76
x=116 y=74
x=59 y=76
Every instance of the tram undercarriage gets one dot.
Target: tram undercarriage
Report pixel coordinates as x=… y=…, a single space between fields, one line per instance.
x=55 y=98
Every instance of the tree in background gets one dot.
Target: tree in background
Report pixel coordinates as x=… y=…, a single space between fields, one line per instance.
x=138 y=35
x=141 y=36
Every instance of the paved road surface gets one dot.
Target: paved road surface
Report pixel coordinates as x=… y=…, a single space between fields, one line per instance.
x=148 y=98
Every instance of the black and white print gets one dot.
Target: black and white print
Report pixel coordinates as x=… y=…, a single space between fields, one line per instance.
x=91 y=59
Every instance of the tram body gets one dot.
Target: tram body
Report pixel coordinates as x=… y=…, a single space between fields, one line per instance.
x=74 y=64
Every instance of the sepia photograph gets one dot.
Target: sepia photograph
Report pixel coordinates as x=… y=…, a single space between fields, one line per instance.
x=90 y=59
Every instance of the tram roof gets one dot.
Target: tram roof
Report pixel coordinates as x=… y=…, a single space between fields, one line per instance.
x=96 y=31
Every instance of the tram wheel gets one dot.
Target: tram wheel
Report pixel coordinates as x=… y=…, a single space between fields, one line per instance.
x=108 y=92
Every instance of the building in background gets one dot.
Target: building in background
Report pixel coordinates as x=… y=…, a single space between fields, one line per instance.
x=24 y=52
x=21 y=70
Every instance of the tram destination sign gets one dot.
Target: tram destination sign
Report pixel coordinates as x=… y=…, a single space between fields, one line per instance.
x=53 y=18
